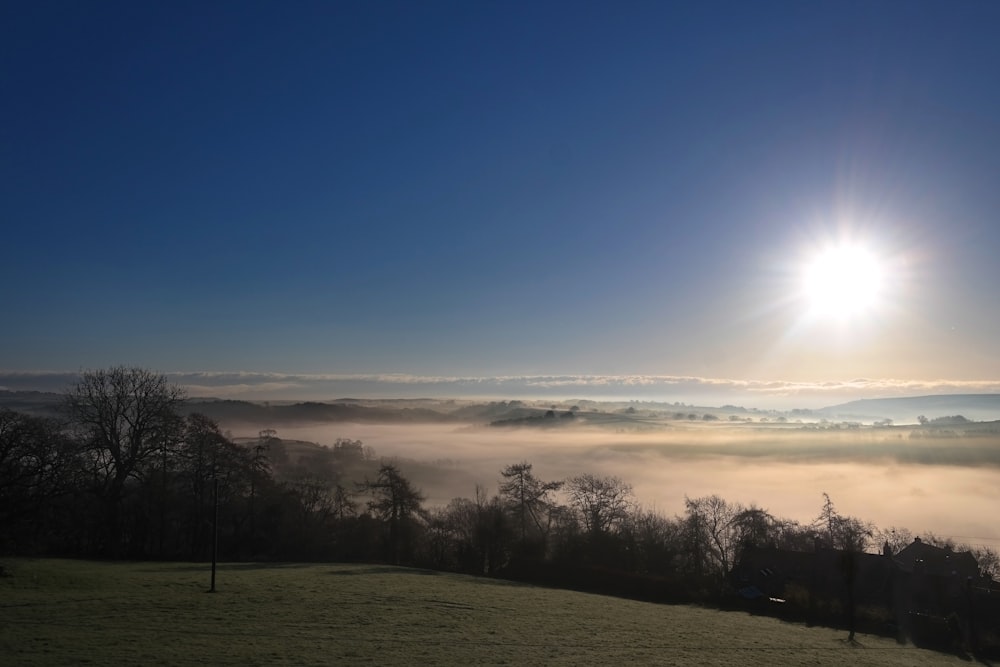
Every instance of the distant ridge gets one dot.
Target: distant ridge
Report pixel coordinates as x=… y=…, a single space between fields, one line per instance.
x=39 y=403
x=901 y=410
x=284 y=413
x=977 y=407
x=226 y=411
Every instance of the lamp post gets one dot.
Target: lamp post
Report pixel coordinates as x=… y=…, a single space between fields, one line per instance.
x=215 y=525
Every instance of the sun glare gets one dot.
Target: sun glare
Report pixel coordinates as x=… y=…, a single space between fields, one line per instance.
x=843 y=282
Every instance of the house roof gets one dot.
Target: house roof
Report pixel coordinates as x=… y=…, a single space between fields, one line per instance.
x=921 y=557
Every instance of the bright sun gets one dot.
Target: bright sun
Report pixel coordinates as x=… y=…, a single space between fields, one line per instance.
x=843 y=282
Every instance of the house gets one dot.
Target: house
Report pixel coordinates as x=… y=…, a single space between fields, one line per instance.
x=923 y=558
x=934 y=580
x=926 y=592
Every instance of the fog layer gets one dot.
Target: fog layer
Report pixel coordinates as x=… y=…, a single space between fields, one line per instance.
x=950 y=487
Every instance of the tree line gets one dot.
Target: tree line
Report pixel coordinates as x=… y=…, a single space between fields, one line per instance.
x=124 y=474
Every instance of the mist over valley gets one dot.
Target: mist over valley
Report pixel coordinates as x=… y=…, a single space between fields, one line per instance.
x=939 y=477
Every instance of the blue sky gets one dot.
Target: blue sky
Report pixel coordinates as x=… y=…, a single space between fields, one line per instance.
x=453 y=190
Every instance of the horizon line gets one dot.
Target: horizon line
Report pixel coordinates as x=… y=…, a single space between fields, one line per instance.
x=272 y=385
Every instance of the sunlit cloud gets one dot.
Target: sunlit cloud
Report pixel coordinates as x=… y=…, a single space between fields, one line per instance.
x=866 y=388
x=240 y=390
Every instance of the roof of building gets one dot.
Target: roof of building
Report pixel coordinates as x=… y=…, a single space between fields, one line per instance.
x=921 y=557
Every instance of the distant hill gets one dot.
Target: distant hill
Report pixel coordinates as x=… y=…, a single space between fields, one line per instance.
x=297 y=413
x=278 y=413
x=905 y=410
x=40 y=403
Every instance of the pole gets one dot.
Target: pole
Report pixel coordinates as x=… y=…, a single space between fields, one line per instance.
x=215 y=528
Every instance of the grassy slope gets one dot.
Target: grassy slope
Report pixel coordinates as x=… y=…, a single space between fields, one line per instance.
x=74 y=612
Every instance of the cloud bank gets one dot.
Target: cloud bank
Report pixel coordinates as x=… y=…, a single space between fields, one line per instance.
x=685 y=389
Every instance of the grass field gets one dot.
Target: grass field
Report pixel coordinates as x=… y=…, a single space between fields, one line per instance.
x=55 y=612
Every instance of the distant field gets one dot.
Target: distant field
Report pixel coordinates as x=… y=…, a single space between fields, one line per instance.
x=55 y=612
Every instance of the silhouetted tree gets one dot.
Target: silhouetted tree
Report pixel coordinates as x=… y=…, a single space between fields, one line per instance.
x=850 y=536
x=397 y=504
x=205 y=456
x=756 y=526
x=344 y=505
x=654 y=542
x=126 y=416
x=273 y=448
x=603 y=503
x=718 y=534
x=529 y=499
x=316 y=507
x=260 y=468
x=348 y=451
x=827 y=518
x=39 y=463
x=471 y=535
x=199 y=455
x=793 y=536
x=893 y=538
x=845 y=533
x=494 y=532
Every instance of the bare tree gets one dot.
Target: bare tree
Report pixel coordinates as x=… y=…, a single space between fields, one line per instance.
x=717 y=531
x=846 y=533
x=988 y=559
x=38 y=463
x=892 y=539
x=127 y=416
x=603 y=502
x=656 y=540
x=199 y=454
x=756 y=526
x=211 y=467
x=472 y=535
x=344 y=505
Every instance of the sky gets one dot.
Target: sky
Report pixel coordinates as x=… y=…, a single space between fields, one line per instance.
x=314 y=199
